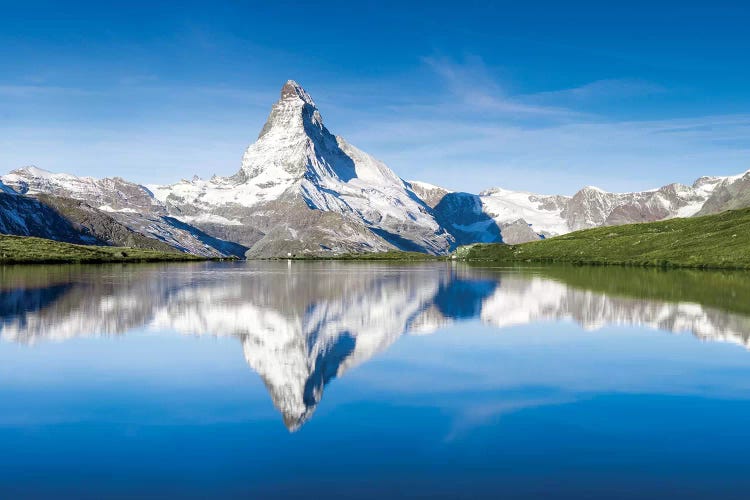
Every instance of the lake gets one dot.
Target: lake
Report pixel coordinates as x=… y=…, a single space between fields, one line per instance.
x=369 y=380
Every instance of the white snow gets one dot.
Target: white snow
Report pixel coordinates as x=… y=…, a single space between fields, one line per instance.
x=506 y=206
x=428 y=187
x=107 y=208
x=209 y=219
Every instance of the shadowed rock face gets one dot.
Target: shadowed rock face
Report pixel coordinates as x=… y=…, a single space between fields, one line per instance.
x=465 y=219
x=101 y=225
x=107 y=211
x=302 y=325
x=465 y=216
x=25 y=216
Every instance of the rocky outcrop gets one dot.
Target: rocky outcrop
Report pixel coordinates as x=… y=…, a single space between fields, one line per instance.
x=102 y=226
x=519 y=231
x=429 y=193
x=728 y=194
x=25 y=216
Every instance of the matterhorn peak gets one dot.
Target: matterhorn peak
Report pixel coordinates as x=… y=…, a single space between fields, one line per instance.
x=293 y=90
x=293 y=114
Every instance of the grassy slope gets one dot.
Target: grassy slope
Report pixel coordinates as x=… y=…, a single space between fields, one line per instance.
x=714 y=241
x=23 y=249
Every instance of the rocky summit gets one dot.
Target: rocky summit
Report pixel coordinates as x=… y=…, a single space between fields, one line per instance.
x=302 y=190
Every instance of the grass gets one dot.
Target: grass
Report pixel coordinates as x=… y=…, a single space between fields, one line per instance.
x=26 y=250
x=719 y=241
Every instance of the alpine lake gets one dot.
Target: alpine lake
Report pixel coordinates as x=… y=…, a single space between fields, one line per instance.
x=296 y=379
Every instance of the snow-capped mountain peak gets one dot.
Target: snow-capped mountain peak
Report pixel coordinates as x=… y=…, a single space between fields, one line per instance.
x=35 y=171
x=293 y=90
x=297 y=166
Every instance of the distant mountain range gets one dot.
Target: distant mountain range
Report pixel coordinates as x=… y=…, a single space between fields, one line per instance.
x=302 y=190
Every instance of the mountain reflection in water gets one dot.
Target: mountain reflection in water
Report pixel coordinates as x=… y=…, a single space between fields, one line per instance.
x=303 y=324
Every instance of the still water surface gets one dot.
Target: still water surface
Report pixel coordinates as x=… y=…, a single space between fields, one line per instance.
x=327 y=380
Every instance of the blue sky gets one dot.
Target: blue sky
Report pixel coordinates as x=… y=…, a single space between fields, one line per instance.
x=541 y=96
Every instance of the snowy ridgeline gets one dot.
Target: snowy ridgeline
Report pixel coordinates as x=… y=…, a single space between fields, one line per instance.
x=301 y=189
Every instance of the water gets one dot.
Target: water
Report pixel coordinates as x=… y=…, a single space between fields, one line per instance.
x=327 y=380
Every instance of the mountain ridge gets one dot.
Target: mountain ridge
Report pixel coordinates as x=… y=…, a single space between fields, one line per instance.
x=302 y=190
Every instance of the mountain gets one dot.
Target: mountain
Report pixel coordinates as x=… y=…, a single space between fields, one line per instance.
x=727 y=193
x=301 y=189
x=110 y=211
x=500 y=215
x=716 y=241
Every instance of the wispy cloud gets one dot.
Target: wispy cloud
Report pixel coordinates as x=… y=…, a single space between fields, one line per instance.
x=478 y=134
x=561 y=158
x=471 y=84
x=26 y=91
x=602 y=89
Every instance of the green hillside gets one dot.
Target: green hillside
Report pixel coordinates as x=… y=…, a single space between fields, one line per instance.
x=23 y=249
x=719 y=241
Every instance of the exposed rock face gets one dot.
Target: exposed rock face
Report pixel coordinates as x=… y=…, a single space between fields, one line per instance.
x=105 y=228
x=24 y=216
x=592 y=207
x=589 y=207
x=429 y=193
x=517 y=232
x=728 y=194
